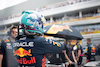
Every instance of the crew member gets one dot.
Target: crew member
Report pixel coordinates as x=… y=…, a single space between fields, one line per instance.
x=6 y=48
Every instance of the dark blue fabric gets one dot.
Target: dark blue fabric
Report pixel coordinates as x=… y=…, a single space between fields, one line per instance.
x=2 y=46
x=80 y=60
x=90 y=57
x=6 y=51
x=38 y=49
x=79 y=47
x=69 y=49
x=2 y=51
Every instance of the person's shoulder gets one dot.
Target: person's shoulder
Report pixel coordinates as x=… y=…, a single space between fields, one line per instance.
x=79 y=45
x=40 y=38
x=17 y=41
x=6 y=40
x=92 y=45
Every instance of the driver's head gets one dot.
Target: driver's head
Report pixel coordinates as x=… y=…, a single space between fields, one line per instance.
x=88 y=40
x=32 y=22
x=67 y=41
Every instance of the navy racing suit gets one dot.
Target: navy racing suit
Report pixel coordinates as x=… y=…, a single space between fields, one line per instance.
x=32 y=51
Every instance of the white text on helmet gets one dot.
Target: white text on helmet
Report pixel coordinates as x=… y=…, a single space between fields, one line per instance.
x=36 y=23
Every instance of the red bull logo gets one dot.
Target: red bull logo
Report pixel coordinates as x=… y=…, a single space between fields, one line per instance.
x=22 y=60
x=7 y=40
x=22 y=52
x=61 y=28
x=56 y=28
x=93 y=49
x=26 y=61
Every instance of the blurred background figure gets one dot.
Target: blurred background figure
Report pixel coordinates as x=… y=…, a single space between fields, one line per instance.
x=99 y=49
x=91 y=51
x=78 y=52
x=96 y=49
x=6 y=47
x=70 y=52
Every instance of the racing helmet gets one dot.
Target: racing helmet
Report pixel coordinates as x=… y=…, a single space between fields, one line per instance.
x=32 y=22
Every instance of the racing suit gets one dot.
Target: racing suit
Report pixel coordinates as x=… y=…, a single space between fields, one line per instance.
x=32 y=51
x=91 y=51
x=6 y=51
